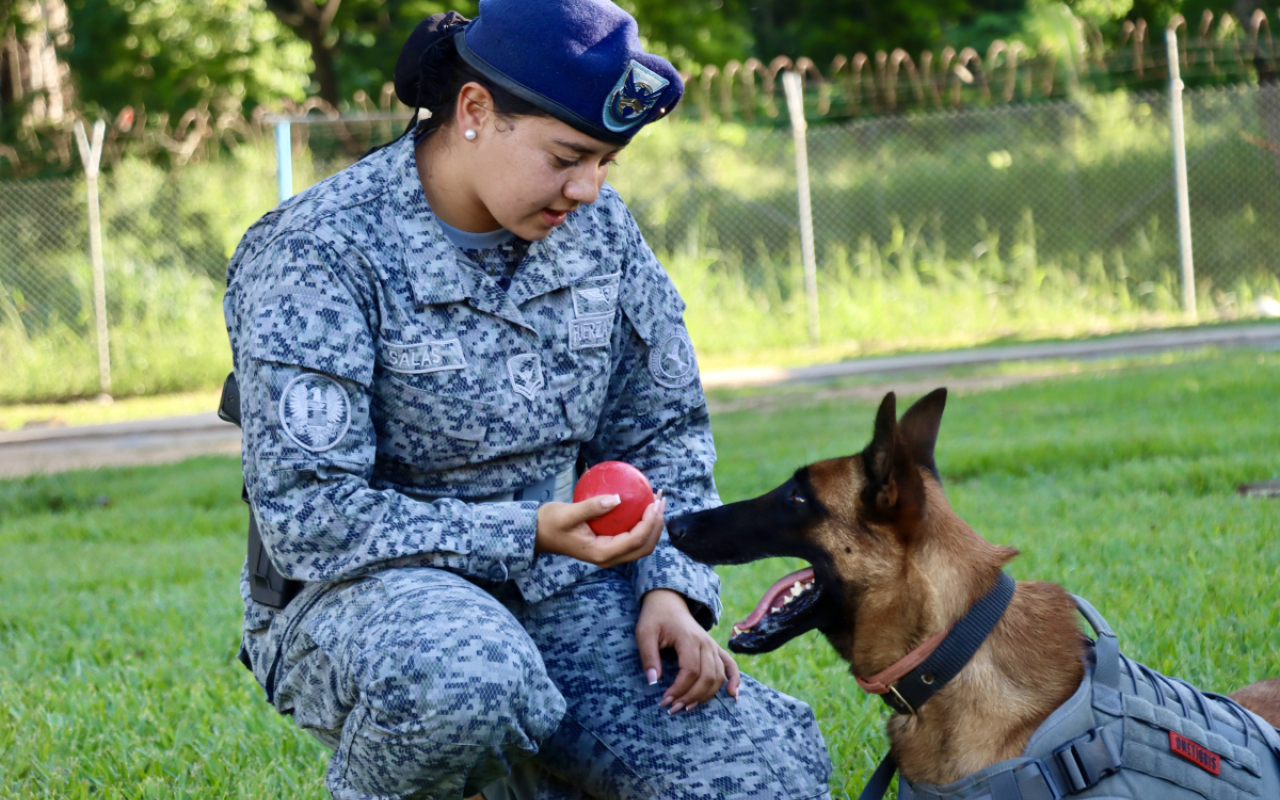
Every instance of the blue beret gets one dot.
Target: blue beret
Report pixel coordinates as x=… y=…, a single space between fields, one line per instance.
x=578 y=60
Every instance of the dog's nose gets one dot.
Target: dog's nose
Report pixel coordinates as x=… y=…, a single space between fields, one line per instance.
x=677 y=528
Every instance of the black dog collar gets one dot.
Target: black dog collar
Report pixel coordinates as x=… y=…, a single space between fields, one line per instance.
x=916 y=687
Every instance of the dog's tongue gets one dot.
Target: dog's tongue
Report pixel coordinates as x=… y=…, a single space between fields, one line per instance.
x=774 y=596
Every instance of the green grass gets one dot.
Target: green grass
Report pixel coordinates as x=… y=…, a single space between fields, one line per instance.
x=119 y=611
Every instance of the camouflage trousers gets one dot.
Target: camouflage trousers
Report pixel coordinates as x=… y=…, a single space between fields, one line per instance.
x=426 y=685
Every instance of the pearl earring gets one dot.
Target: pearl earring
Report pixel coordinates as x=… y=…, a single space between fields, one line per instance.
x=470 y=134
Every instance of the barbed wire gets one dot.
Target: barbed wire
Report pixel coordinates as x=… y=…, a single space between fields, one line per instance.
x=1221 y=49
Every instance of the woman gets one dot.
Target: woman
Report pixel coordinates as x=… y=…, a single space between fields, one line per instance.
x=427 y=345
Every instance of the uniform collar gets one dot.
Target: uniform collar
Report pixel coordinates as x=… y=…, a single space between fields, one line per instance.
x=556 y=261
x=437 y=277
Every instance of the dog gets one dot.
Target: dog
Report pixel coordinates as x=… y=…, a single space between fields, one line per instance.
x=892 y=566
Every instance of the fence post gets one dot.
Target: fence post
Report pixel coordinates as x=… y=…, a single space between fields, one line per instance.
x=284 y=160
x=794 y=91
x=91 y=155
x=1180 y=176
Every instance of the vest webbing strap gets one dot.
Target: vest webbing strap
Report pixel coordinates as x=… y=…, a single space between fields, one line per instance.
x=1106 y=671
x=1076 y=766
x=879 y=783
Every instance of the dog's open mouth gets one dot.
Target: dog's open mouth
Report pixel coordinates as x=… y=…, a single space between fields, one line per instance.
x=783 y=613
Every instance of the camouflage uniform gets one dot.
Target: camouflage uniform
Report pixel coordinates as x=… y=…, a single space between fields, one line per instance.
x=383 y=386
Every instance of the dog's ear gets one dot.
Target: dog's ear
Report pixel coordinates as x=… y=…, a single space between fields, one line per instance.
x=894 y=491
x=880 y=458
x=919 y=428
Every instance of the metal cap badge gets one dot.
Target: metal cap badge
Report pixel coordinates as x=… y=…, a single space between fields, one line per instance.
x=581 y=62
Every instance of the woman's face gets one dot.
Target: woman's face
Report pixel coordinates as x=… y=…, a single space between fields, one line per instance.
x=525 y=174
x=531 y=172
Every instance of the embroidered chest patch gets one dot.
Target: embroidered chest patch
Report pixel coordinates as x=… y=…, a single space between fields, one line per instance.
x=672 y=363
x=315 y=412
x=423 y=357
x=596 y=296
x=594 y=331
x=526 y=374
x=637 y=91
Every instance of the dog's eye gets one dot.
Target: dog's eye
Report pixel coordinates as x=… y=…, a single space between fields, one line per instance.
x=797 y=499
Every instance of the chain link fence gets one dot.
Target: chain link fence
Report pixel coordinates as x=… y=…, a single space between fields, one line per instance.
x=931 y=229
x=1050 y=218
x=165 y=264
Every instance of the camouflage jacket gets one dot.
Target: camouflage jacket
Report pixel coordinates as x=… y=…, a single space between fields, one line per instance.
x=384 y=383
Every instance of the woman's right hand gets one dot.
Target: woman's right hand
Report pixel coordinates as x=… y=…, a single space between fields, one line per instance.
x=563 y=529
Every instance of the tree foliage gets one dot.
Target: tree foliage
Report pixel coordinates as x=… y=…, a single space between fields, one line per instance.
x=172 y=55
x=354 y=43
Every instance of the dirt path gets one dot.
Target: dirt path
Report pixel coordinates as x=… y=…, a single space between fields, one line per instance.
x=157 y=441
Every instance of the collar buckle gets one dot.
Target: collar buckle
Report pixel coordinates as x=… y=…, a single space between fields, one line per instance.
x=911 y=711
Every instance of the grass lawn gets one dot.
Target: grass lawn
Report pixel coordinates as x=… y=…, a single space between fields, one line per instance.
x=119 y=615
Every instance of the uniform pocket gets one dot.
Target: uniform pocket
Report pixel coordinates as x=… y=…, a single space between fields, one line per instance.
x=583 y=396
x=426 y=430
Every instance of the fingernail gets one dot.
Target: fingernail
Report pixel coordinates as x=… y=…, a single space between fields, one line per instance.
x=610 y=500
x=676 y=708
x=690 y=707
x=651 y=675
x=665 y=700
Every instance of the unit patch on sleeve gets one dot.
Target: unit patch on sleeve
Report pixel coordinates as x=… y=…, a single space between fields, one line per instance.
x=315 y=412
x=423 y=357
x=593 y=331
x=672 y=363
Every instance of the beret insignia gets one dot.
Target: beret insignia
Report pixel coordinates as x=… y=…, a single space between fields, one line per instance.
x=637 y=91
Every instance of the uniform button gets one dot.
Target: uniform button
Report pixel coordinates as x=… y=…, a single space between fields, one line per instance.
x=498 y=573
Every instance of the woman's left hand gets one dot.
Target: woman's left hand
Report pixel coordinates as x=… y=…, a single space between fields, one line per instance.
x=665 y=621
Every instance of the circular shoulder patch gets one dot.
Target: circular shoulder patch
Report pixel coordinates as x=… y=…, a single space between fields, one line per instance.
x=672 y=363
x=315 y=412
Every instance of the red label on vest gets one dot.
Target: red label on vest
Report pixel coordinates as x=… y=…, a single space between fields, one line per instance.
x=1194 y=753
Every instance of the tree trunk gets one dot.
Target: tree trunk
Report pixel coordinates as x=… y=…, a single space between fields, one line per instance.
x=324 y=74
x=311 y=23
x=31 y=32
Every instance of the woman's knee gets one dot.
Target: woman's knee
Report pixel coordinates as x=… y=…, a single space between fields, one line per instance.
x=452 y=665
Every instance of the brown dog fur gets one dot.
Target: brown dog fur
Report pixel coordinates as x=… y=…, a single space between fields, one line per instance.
x=1262 y=698
x=907 y=566
x=911 y=586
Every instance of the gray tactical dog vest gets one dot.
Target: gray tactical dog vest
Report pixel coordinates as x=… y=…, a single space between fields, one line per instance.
x=1131 y=733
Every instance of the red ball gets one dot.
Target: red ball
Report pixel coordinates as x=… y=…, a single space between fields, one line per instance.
x=624 y=480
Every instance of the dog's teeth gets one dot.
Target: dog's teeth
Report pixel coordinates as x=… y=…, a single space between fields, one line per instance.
x=796 y=589
x=736 y=630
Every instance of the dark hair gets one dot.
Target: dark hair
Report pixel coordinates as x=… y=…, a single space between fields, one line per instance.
x=442 y=74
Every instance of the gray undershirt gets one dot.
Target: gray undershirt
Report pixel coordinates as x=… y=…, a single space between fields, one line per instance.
x=466 y=240
x=496 y=253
